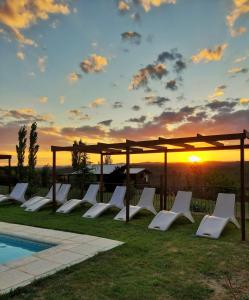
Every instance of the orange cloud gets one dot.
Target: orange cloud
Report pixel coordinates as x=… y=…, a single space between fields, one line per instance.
x=94 y=64
x=73 y=77
x=97 y=102
x=148 y=4
x=218 y=92
x=208 y=55
x=240 y=7
x=244 y=100
x=20 y=55
x=17 y=15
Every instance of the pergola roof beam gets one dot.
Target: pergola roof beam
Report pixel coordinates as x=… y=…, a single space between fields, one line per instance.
x=184 y=145
x=5 y=156
x=214 y=143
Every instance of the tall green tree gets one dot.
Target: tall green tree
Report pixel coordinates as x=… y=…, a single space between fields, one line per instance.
x=20 y=150
x=33 y=149
x=79 y=159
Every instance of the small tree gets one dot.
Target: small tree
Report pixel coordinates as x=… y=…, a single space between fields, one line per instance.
x=108 y=160
x=80 y=163
x=33 y=149
x=20 y=150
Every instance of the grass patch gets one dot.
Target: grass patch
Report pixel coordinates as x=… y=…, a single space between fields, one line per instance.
x=150 y=265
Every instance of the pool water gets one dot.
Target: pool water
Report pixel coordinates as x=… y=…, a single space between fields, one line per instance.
x=12 y=247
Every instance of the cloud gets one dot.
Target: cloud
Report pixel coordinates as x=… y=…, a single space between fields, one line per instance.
x=240 y=7
x=18 y=15
x=43 y=99
x=153 y=71
x=94 y=64
x=23 y=116
x=123 y=6
x=41 y=62
x=223 y=106
x=156 y=100
x=208 y=55
x=158 y=126
x=148 y=4
x=20 y=55
x=240 y=59
x=76 y=114
x=179 y=66
x=238 y=70
x=218 y=92
x=73 y=77
x=62 y=99
x=117 y=104
x=92 y=132
x=137 y=120
x=132 y=37
x=97 y=102
x=244 y=100
x=171 y=55
x=136 y=107
x=171 y=85
x=106 y=122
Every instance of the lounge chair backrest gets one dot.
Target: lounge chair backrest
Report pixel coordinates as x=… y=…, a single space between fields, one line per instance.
x=147 y=197
x=18 y=191
x=224 y=207
x=118 y=196
x=91 y=193
x=182 y=201
x=50 y=192
x=62 y=193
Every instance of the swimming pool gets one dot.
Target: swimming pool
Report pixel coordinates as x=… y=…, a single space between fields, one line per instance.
x=12 y=248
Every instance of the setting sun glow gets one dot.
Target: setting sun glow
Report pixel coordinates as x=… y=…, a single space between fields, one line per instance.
x=194 y=159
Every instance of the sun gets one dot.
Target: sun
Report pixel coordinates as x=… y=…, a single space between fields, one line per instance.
x=194 y=159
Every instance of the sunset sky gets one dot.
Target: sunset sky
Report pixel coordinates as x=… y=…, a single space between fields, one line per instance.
x=106 y=70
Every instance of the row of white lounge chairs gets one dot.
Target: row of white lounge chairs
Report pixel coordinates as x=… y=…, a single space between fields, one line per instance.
x=210 y=226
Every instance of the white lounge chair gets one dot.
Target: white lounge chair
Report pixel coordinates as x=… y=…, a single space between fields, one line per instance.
x=145 y=202
x=16 y=194
x=117 y=201
x=35 y=199
x=60 y=199
x=181 y=207
x=212 y=226
x=90 y=197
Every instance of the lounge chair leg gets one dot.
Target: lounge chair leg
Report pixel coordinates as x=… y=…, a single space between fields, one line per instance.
x=189 y=217
x=235 y=222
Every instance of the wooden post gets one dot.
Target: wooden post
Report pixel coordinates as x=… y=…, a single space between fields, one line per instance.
x=54 y=180
x=128 y=183
x=161 y=192
x=242 y=189
x=101 y=177
x=165 y=180
x=9 y=174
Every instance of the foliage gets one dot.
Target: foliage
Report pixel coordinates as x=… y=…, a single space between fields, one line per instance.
x=45 y=176
x=20 y=150
x=108 y=160
x=115 y=178
x=80 y=162
x=33 y=147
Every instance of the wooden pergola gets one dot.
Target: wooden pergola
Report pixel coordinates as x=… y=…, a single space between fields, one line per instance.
x=165 y=146
x=7 y=157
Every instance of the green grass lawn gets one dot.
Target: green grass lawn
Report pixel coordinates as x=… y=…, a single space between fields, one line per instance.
x=150 y=265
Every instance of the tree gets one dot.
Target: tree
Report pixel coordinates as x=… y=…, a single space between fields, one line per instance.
x=108 y=160
x=33 y=149
x=79 y=159
x=20 y=150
